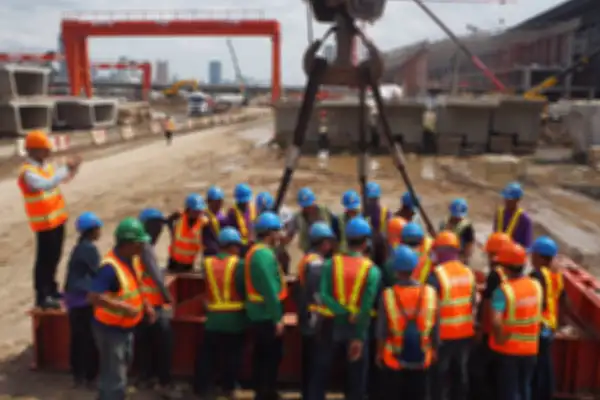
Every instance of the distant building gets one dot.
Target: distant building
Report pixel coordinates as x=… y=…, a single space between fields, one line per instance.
x=61 y=70
x=215 y=72
x=329 y=52
x=162 y=72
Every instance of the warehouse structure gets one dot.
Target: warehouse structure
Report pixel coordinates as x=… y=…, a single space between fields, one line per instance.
x=521 y=56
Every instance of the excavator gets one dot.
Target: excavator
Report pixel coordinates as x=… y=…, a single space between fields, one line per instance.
x=173 y=91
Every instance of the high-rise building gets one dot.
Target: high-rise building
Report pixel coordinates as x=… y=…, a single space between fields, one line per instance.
x=329 y=52
x=61 y=71
x=162 y=72
x=215 y=72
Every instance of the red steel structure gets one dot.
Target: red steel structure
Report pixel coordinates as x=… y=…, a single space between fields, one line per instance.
x=77 y=28
x=29 y=57
x=145 y=67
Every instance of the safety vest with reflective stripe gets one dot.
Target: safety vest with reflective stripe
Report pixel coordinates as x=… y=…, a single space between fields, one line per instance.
x=214 y=222
x=307 y=259
x=424 y=313
x=45 y=209
x=220 y=279
x=251 y=293
x=349 y=278
x=457 y=285
x=170 y=125
x=129 y=293
x=554 y=287
x=150 y=290
x=421 y=273
x=487 y=311
x=512 y=224
x=304 y=226
x=242 y=224
x=383 y=219
x=457 y=229
x=522 y=318
x=187 y=240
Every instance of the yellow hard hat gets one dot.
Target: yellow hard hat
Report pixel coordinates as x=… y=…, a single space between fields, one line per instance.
x=38 y=140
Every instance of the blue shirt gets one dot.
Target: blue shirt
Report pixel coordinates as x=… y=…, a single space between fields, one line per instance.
x=39 y=183
x=83 y=266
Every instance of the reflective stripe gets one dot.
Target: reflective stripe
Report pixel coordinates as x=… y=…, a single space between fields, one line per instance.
x=421 y=273
x=512 y=224
x=303 y=227
x=307 y=259
x=222 y=297
x=383 y=219
x=214 y=223
x=553 y=283
x=187 y=241
x=352 y=302
x=241 y=221
x=457 y=284
x=252 y=295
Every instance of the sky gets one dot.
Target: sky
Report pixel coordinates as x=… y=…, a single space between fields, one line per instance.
x=33 y=25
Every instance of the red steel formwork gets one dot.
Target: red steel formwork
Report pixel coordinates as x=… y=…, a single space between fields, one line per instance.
x=77 y=28
x=145 y=67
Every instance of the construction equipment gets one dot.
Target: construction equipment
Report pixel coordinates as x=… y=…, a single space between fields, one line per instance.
x=238 y=73
x=173 y=91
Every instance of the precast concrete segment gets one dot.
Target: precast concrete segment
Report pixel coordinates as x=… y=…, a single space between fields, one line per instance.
x=79 y=113
x=285 y=119
x=519 y=117
x=17 y=81
x=582 y=122
x=18 y=117
x=406 y=120
x=467 y=118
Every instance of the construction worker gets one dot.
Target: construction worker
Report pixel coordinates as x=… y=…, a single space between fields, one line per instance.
x=186 y=234
x=266 y=290
x=458 y=223
x=46 y=210
x=348 y=290
x=409 y=208
x=516 y=321
x=455 y=285
x=119 y=306
x=225 y=324
x=215 y=218
x=512 y=219
x=169 y=128
x=264 y=202
x=394 y=239
x=154 y=336
x=241 y=216
x=407 y=331
x=322 y=240
x=378 y=215
x=414 y=237
x=82 y=267
x=351 y=203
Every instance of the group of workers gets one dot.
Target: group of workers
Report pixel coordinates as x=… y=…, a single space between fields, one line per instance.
x=401 y=305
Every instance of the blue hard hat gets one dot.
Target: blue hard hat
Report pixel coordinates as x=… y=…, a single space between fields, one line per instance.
x=320 y=230
x=195 y=202
x=242 y=193
x=544 y=246
x=351 y=200
x=215 y=193
x=373 y=190
x=306 y=197
x=458 y=208
x=410 y=201
x=412 y=232
x=512 y=191
x=404 y=259
x=268 y=221
x=86 y=221
x=229 y=235
x=264 y=201
x=150 y=213
x=358 y=227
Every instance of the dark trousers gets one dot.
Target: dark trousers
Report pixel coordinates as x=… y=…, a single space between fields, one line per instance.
x=266 y=357
x=308 y=343
x=174 y=266
x=47 y=257
x=482 y=375
x=169 y=136
x=543 y=387
x=218 y=349
x=83 y=352
x=450 y=373
x=155 y=348
x=323 y=142
x=404 y=384
x=514 y=376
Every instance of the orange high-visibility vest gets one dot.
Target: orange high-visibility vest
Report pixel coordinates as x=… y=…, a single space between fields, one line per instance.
x=220 y=277
x=512 y=224
x=421 y=273
x=457 y=284
x=349 y=278
x=187 y=240
x=251 y=293
x=150 y=290
x=45 y=209
x=307 y=259
x=241 y=221
x=554 y=287
x=129 y=292
x=424 y=312
x=522 y=318
x=487 y=311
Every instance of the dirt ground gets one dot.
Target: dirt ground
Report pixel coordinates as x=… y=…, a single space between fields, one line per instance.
x=119 y=185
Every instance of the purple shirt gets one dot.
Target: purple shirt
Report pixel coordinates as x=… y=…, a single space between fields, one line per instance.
x=75 y=300
x=210 y=237
x=523 y=232
x=231 y=220
x=374 y=216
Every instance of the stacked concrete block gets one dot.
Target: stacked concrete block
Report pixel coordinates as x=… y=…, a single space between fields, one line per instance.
x=23 y=103
x=81 y=113
x=342 y=125
x=406 y=121
x=286 y=117
x=519 y=118
x=582 y=122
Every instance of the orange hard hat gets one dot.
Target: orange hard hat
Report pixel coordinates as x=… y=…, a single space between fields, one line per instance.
x=495 y=241
x=446 y=239
x=394 y=227
x=511 y=255
x=38 y=140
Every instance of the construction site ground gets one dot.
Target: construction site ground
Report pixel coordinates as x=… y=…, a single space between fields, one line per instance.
x=116 y=184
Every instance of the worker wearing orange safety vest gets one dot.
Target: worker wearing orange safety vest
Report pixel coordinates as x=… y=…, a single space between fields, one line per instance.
x=225 y=324
x=512 y=219
x=119 y=307
x=266 y=291
x=457 y=293
x=46 y=211
x=349 y=287
x=169 y=128
x=186 y=234
x=241 y=216
x=394 y=239
x=407 y=331
x=414 y=237
x=516 y=323
x=378 y=216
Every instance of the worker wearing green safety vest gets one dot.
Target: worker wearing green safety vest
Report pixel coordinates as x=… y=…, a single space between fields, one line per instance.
x=351 y=204
x=462 y=227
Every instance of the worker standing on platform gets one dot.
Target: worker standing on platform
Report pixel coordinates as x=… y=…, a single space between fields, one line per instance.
x=455 y=285
x=46 y=210
x=458 y=223
x=512 y=219
x=378 y=215
x=155 y=337
x=266 y=290
x=516 y=322
x=241 y=216
x=322 y=240
x=186 y=234
x=349 y=286
x=351 y=203
x=407 y=331
x=119 y=306
x=409 y=209
x=215 y=218
x=82 y=268
x=224 y=329
x=414 y=237
x=264 y=202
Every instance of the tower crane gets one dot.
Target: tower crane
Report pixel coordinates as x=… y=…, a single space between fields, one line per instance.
x=238 y=73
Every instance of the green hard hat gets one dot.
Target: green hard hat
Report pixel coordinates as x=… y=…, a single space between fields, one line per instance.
x=131 y=230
